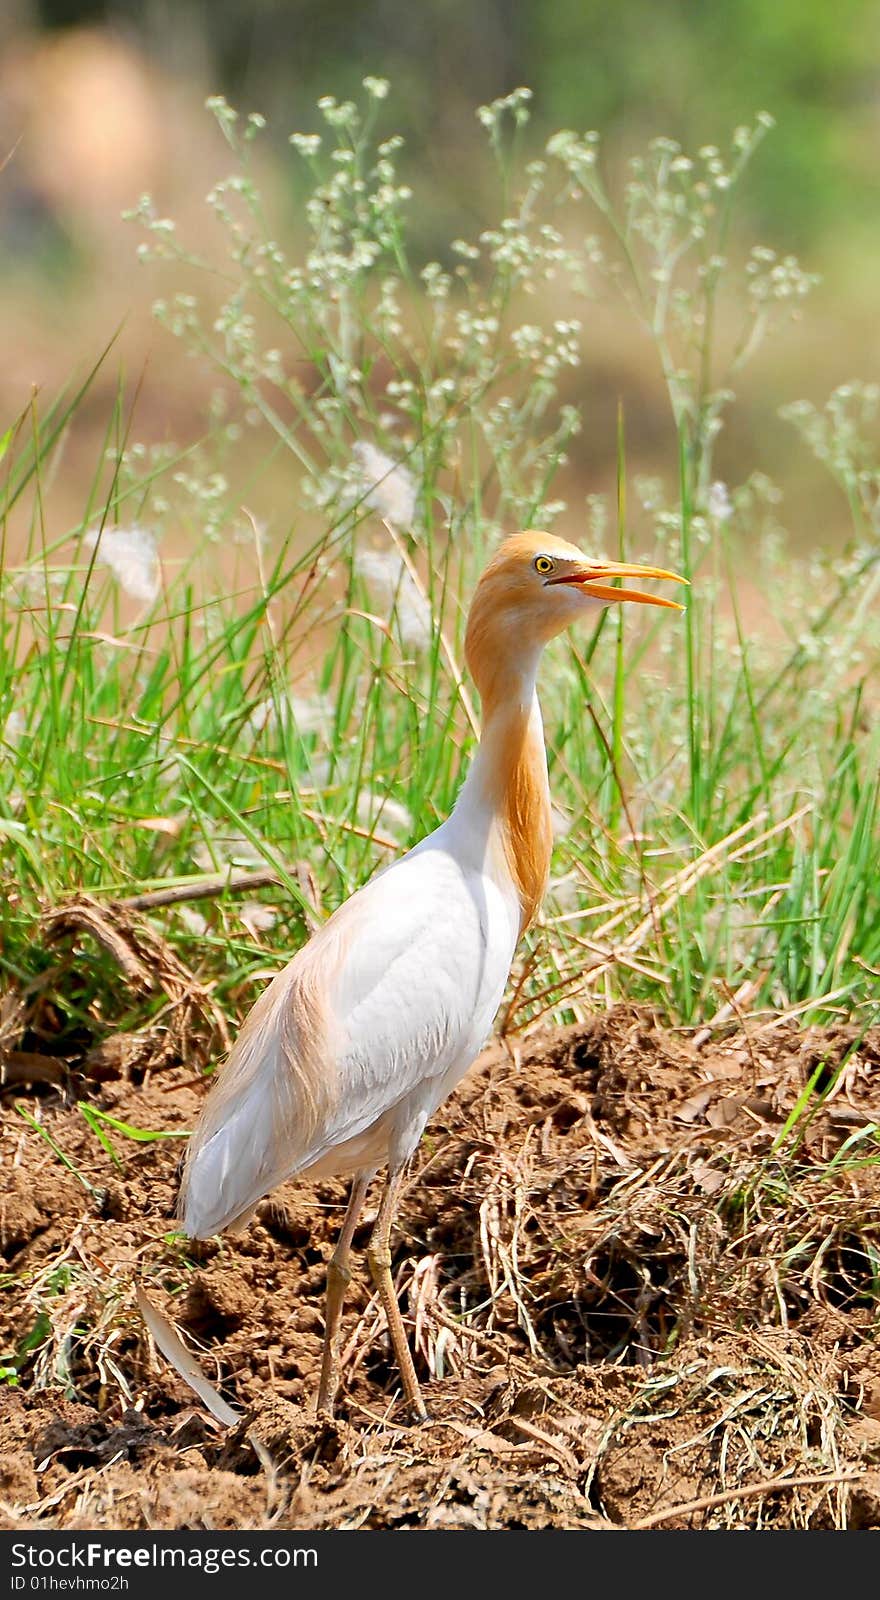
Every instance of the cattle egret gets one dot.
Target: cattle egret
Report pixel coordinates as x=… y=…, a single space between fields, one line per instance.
x=353 y=1046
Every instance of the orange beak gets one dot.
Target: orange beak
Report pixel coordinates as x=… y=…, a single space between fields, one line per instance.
x=597 y=581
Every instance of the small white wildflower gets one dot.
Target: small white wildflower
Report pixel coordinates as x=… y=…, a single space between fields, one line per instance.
x=308 y=144
x=132 y=557
x=650 y=493
x=719 y=505
x=394 y=590
x=390 y=488
x=377 y=87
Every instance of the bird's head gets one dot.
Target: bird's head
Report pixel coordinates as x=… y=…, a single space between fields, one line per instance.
x=534 y=587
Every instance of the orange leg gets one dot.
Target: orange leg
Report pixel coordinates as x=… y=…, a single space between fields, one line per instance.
x=338 y=1279
x=379 y=1258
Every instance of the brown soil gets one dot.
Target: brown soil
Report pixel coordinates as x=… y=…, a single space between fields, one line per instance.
x=669 y=1298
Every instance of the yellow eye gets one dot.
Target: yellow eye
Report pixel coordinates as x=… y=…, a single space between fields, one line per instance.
x=543 y=564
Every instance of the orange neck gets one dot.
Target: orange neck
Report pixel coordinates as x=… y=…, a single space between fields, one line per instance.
x=509 y=780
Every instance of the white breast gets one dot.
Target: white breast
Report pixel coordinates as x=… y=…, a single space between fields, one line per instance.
x=416 y=997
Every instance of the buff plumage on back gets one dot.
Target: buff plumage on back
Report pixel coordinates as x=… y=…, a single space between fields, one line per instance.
x=275 y=1091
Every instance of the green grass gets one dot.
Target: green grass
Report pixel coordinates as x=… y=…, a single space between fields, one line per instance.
x=717 y=776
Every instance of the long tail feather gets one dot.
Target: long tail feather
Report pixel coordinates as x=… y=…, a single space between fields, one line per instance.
x=168 y=1340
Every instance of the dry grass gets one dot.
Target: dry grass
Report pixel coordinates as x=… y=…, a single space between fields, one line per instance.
x=639 y=1294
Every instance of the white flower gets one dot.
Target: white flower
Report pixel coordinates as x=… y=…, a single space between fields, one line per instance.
x=387 y=486
x=308 y=144
x=132 y=557
x=720 y=505
x=393 y=588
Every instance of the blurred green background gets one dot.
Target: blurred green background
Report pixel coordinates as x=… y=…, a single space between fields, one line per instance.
x=99 y=102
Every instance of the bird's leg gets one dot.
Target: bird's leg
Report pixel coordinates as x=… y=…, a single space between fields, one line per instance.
x=379 y=1258
x=338 y=1279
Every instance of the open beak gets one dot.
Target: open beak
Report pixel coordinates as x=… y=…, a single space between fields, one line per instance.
x=598 y=580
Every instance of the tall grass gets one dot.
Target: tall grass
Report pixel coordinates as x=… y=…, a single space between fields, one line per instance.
x=295 y=696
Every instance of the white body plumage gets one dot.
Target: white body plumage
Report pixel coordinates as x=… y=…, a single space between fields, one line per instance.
x=412 y=970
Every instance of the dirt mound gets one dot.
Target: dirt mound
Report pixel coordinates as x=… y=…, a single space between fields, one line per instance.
x=640 y=1282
